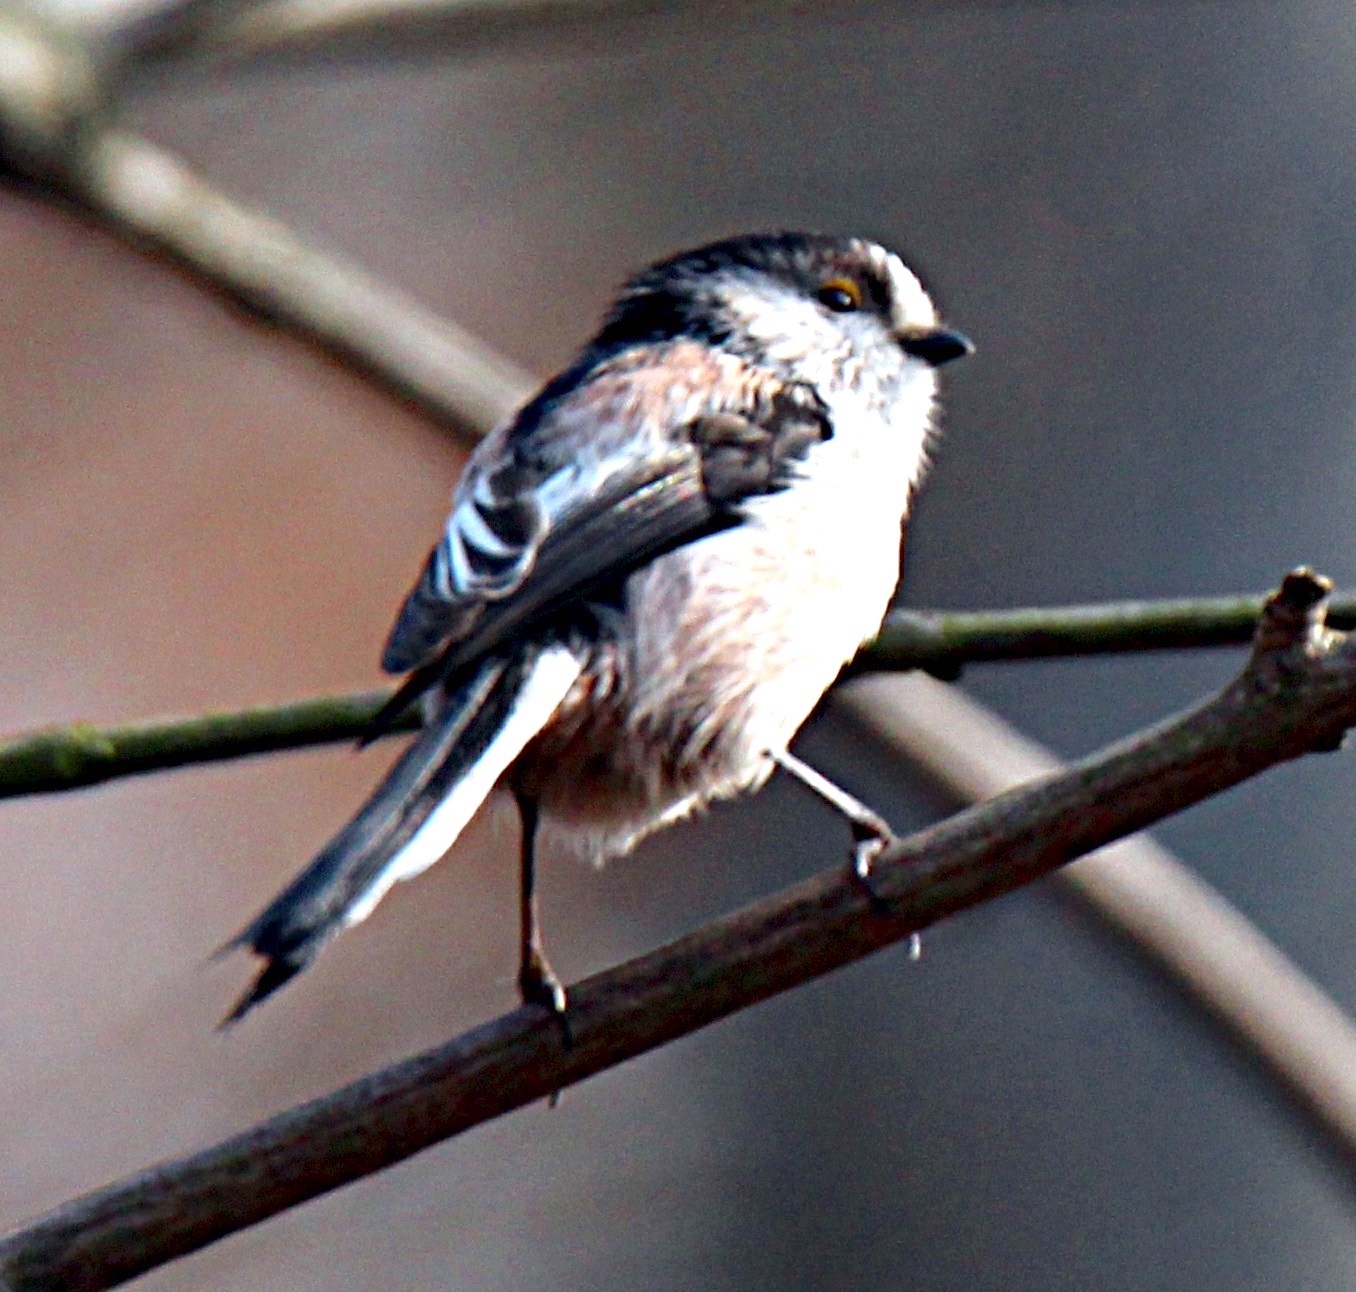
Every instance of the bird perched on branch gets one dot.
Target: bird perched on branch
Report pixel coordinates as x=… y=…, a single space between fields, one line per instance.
x=649 y=575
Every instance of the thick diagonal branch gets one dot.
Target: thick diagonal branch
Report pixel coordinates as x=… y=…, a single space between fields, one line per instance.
x=1297 y=693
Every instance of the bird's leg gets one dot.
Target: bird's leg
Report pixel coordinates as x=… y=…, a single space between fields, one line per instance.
x=870 y=831
x=537 y=981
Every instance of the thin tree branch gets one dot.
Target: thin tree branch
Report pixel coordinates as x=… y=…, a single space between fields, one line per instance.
x=80 y=754
x=942 y=642
x=1296 y=694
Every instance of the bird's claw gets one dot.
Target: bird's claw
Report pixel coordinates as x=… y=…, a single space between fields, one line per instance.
x=538 y=985
x=870 y=836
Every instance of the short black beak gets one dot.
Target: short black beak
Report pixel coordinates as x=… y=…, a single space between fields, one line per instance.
x=939 y=346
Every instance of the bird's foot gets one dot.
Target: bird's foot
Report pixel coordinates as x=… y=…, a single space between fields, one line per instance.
x=538 y=985
x=871 y=834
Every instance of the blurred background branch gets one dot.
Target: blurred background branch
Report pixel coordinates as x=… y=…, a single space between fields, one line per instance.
x=257 y=29
x=53 y=128
x=155 y=199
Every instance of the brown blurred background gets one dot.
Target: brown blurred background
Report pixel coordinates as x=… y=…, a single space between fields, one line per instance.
x=1143 y=213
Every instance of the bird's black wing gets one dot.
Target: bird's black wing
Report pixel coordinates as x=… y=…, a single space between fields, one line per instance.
x=509 y=563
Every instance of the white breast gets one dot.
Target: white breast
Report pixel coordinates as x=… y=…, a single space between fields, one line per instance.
x=727 y=645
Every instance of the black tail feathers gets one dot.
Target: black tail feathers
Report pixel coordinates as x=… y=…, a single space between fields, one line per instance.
x=353 y=868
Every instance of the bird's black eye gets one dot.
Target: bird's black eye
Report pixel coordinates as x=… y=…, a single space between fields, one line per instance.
x=841 y=295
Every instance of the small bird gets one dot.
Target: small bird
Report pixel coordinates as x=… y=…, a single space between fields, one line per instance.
x=649 y=576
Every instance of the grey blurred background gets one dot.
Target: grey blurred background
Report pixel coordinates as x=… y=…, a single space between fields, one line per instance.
x=1143 y=214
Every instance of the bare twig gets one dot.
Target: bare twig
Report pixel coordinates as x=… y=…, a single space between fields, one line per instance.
x=942 y=642
x=1297 y=693
x=80 y=754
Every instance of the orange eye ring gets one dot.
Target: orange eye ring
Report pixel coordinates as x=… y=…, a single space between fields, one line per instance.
x=841 y=295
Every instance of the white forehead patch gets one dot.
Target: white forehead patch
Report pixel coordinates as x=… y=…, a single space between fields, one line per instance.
x=912 y=304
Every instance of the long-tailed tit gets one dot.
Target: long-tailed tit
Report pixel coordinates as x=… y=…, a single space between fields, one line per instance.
x=650 y=574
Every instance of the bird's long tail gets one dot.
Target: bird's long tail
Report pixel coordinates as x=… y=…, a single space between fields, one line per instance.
x=415 y=814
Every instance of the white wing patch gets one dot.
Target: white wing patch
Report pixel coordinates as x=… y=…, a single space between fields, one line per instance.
x=552 y=676
x=489 y=542
x=478 y=561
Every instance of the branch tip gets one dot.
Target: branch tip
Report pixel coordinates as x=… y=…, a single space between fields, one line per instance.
x=1294 y=615
x=1303 y=588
